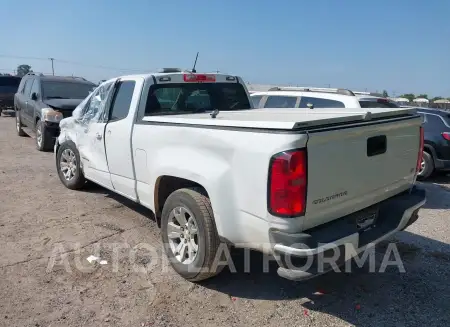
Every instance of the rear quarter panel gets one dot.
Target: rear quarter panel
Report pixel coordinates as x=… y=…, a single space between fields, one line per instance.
x=231 y=165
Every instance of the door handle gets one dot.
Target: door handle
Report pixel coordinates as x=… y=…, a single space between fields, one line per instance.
x=98 y=136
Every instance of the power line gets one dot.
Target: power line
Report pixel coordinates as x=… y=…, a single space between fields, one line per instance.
x=75 y=63
x=21 y=57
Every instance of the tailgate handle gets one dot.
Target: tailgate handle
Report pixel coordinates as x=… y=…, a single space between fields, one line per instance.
x=376 y=145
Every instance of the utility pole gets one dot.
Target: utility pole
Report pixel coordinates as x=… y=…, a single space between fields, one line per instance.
x=53 y=69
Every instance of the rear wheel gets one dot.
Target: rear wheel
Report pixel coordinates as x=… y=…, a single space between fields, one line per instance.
x=426 y=166
x=19 y=125
x=189 y=234
x=68 y=165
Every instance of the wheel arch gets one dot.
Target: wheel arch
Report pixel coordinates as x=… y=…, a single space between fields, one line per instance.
x=166 y=185
x=430 y=149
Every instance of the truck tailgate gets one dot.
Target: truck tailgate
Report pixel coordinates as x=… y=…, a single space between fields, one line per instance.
x=355 y=167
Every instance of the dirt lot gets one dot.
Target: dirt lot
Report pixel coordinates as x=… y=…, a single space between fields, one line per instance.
x=38 y=216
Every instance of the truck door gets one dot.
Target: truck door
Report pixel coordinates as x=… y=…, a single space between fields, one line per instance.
x=90 y=137
x=32 y=104
x=118 y=134
x=25 y=99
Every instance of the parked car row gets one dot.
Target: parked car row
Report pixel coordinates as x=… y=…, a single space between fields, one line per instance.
x=218 y=172
x=42 y=101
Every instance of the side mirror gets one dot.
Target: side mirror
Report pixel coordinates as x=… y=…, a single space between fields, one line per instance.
x=310 y=106
x=34 y=96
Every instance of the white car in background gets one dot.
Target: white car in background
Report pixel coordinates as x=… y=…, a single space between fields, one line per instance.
x=310 y=97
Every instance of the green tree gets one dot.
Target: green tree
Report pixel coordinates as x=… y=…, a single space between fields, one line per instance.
x=436 y=98
x=425 y=96
x=385 y=94
x=408 y=96
x=22 y=70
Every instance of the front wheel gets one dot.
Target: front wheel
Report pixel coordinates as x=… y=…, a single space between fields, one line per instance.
x=43 y=138
x=68 y=165
x=189 y=235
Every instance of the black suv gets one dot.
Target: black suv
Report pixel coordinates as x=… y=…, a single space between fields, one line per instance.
x=8 y=87
x=42 y=101
x=436 y=155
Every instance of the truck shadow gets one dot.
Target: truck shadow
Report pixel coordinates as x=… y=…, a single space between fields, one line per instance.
x=359 y=297
x=438 y=192
x=97 y=189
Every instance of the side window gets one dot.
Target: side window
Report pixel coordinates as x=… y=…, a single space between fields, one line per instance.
x=95 y=107
x=276 y=101
x=27 y=88
x=122 y=100
x=23 y=82
x=434 y=120
x=35 y=88
x=320 y=103
x=256 y=99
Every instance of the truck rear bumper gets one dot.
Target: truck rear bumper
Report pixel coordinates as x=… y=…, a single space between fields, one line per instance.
x=316 y=251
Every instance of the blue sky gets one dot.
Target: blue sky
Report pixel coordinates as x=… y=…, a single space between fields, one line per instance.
x=398 y=45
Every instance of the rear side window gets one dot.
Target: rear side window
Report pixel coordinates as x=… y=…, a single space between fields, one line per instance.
x=320 y=103
x=447 y=118
x=380 y=103
x=9 y=84
x=256 y=99
x=275 y=101
x=122 y=100
x=433 y=120
x=180 y=98
x=27 y=88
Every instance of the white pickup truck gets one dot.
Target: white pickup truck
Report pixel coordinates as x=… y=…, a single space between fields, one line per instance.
x=214 y=170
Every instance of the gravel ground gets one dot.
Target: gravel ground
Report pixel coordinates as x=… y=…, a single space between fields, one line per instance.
x=40 y=220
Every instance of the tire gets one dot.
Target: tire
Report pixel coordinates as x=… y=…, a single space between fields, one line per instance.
x=44 y=141
x=19 y=125
x=204 y=265
x=427 y=167
x=77 y=181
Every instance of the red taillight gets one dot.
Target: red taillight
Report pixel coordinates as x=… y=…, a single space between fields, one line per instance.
x=287 y=184
x=446 y=135
x=199 y=78
x=420 y=156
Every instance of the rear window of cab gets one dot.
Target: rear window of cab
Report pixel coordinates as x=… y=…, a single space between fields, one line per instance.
x=181 y=98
